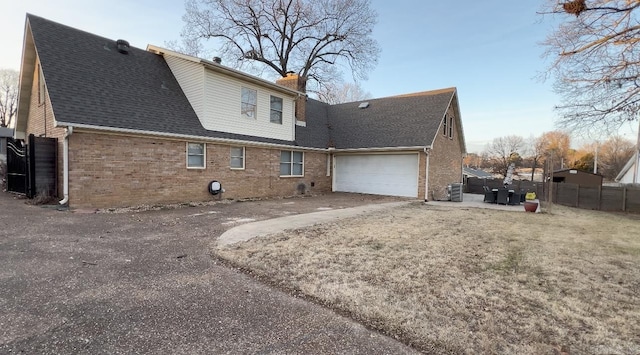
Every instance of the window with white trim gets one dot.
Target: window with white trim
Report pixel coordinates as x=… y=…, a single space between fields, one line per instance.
x=237 y=158
x=291 y=163
x=196 y=155
x=249 y=102
x=276 y=110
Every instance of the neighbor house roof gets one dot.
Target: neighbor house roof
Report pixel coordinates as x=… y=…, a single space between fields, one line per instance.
x=91 y=84
x=477 y=173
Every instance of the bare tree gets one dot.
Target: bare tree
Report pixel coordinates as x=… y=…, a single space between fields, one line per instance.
x=615 y=152
x=503 y=151
x=336 y=92
x=306 y=37
x=596 y=56
x=555 y=145
x=9 y=80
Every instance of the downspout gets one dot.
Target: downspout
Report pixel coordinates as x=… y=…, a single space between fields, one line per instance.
x=65 y=165
x=426 y=174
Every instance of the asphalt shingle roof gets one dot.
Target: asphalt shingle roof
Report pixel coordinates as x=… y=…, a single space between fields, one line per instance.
x=397 y=121
x=90 y=82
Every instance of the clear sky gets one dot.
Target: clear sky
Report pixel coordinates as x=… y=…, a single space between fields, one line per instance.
x=488 y=49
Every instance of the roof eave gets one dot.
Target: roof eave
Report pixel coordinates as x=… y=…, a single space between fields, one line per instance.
x=27 y=67
x=225 y=70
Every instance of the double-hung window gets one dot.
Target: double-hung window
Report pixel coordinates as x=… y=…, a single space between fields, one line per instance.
x=249 y=100
x=291 y=163
x=237 y=158
x=196 y=155
x=276 y=110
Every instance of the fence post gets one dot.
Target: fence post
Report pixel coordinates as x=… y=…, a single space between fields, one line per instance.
x=599 y=197
x=624 y=199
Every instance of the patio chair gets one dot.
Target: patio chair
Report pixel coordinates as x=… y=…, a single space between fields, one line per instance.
x=503 y=196
x=488 y=195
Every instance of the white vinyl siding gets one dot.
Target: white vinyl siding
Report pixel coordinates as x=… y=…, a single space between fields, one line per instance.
x=378 y=174
x=223 y=102
x=216 y=99
x=190 y=76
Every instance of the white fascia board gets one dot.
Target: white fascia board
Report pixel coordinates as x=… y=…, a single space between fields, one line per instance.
x=380 y=150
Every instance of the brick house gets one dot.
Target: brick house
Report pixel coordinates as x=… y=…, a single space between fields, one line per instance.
x=154 y=126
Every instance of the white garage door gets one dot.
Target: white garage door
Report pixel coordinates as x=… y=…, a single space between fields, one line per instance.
x=382 y=174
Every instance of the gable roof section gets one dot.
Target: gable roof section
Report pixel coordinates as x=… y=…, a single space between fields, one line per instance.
x=90 y=84
x=411 y=120
x=477 y=173
x=627 y=167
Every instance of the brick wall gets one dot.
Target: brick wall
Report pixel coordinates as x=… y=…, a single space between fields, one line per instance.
x=445 y=162
x=108 y=170
x=41 y=123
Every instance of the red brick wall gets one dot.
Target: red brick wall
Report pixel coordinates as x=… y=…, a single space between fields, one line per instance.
x=108 y=170
x=41 y=124
x=445 y=162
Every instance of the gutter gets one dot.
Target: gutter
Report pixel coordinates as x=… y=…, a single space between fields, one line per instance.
x=65 y=165
x=427 y=149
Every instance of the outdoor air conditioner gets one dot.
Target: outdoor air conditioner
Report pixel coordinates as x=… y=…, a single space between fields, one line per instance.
x=455 y=192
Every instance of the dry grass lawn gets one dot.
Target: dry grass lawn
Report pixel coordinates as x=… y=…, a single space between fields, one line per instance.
x=459 y=280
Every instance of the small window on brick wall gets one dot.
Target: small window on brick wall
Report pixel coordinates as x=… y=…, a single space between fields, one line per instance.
x=237 y=158
x=444 y=124
x=196 y=155
x=291 y=163
x=451 y=126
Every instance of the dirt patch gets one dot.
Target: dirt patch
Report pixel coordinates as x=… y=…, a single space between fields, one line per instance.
x=452 y=280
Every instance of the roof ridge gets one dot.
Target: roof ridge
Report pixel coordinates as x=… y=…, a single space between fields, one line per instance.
x=30 y=15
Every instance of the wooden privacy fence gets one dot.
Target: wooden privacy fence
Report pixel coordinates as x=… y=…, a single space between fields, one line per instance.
x=603 y=198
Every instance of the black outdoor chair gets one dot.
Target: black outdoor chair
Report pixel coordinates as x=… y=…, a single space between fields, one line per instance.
x=522 y=195
x=488 y=195
x=503 y=196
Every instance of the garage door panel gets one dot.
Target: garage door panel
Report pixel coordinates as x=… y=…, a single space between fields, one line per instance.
x=392 y=174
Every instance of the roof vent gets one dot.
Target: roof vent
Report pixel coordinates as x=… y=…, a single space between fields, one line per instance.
x=123 y=46
x=217 y=60
x=363 y=105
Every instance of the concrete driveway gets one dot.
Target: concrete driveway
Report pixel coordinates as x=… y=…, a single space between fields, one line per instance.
x=146 y=283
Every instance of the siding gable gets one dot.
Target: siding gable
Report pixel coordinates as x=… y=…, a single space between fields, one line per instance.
x=216 y=99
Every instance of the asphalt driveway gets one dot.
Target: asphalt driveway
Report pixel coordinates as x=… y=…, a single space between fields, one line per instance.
x=146 y=283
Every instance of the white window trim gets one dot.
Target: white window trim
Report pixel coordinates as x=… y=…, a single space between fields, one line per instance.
x=204 y=156
x=291 y=163
x=281 y=109
x=255 y=112
x=244 y=157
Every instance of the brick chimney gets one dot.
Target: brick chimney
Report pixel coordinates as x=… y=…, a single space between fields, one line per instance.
x=298 y=83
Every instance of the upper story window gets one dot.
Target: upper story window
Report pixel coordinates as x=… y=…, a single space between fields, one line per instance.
x=450 y=126
x=291 y=163
x=237 y=158
x=276 y=110
x=249 y=102
x=444 y=124
x=196 y=155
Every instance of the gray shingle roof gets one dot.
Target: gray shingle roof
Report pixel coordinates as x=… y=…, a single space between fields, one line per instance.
x=398 y=121
x=89 y=82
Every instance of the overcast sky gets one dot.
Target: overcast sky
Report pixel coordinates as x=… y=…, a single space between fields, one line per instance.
x=487 y=49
